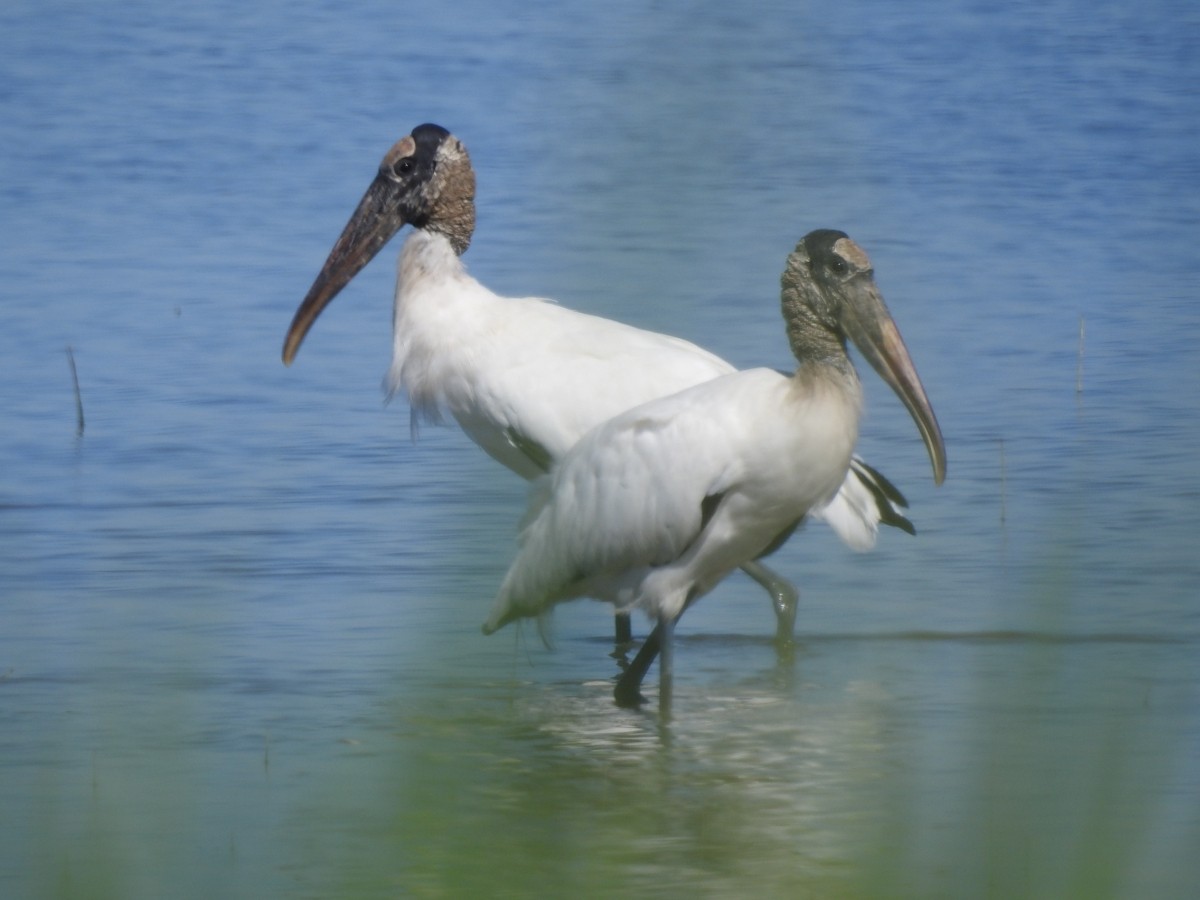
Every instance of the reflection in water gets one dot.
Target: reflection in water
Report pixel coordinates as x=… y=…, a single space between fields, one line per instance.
x=745 y=785
x=841 y=772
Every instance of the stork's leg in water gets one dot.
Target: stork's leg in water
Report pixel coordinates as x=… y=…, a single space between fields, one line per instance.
x=666 y=659
x=784 y=599
x=628 y=690
x=623 y=630
x=659 y=643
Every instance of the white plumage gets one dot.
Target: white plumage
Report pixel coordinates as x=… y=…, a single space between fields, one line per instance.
x=521 y=368
x=523 y=376
x=662 y=502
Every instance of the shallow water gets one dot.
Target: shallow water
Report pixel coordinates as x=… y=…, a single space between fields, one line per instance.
x=239 y=645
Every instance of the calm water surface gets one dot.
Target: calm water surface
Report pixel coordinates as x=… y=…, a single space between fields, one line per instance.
x=239 y=645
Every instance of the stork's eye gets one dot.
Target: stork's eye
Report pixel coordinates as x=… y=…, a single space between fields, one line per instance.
x=404 y=165
x=838 y=266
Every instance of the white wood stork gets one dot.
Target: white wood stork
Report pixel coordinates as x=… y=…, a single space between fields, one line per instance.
x=651 y=509
x=525 y=378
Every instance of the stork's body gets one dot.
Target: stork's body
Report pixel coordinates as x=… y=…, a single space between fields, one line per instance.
x=653 y=508
x=657 y=505
x=524 y=377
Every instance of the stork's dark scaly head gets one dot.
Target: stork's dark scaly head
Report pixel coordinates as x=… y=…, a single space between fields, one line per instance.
x=829 y=294
x=425 y=180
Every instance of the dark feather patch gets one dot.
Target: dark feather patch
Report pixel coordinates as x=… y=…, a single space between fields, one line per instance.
x=885 y=493
x=708 y=508
x=780 y=539
x=534 y=452
x=873 y=478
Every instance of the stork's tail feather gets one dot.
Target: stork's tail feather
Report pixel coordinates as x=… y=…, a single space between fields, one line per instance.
x=864 y=500
x=887 y=495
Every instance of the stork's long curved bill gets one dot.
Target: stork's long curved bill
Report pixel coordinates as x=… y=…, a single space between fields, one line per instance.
x=375 y=221
x=868 y=323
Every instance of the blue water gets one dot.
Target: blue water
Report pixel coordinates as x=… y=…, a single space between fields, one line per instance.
x=239 y=646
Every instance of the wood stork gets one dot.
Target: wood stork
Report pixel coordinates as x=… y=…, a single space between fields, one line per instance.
x=652 y=508
x=525 y=378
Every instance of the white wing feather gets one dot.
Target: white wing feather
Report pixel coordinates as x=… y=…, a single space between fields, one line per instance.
x=629 y=498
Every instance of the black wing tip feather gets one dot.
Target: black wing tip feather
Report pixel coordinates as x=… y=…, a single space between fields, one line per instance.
x=893 y=518
x=887 y=496
x=878 y=482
